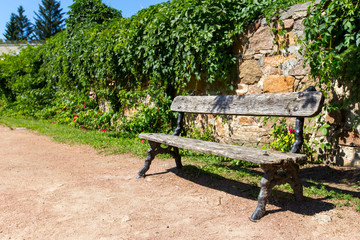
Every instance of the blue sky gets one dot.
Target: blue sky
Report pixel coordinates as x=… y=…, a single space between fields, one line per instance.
x=127 y=7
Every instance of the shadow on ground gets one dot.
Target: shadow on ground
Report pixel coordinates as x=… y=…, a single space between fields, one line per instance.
x=284 y=200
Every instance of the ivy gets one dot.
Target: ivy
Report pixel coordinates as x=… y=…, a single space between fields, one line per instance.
x=332 y=42
x=168 y=49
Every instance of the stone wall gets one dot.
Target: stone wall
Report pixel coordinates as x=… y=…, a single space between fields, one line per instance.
x=9 y=48
x=14 y=48
x=266 y=65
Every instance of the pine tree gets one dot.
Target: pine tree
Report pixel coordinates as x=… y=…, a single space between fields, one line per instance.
x=12 y=29
x=24 y=25
x=49 y=20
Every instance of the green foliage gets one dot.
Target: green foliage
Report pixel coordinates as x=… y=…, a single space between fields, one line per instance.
x=282 y=135
x=89 y=12
x=332 y=42
x=19 y=28
x=49 y=19
x=137 y=64
x=24 y=25
x=12 y=29
x=103 y=141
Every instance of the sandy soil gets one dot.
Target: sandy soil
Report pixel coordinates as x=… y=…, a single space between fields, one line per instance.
x=57 y=191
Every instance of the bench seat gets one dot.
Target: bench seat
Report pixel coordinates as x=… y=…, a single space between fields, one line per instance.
x=254 y=155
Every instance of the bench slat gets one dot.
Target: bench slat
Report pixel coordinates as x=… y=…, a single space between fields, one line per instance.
x=296 y=104
x=254 y=155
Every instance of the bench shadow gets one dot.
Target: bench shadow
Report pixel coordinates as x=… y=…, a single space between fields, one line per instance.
x=350 y=178
x=284 y=200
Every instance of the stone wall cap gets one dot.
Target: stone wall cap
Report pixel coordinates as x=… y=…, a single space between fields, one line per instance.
x=285 y=14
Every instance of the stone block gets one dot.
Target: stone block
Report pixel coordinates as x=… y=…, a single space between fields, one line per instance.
x=242 y=89
x=289 y=39
x=288 y=23
x=276 y=61
x=262 y=39
x=298 y=25
x=253 y=89
x=258 y=56
x=299 y=14
x=288 y=66
x=221 y=128
x=348 y=157
x=278 y=84
x=267 y=52
x=246 y=121
x=350 y=138
x=299 y=69
x=261 y=61
x=291 y=11
x=263 y=22
x=304 y=82
x=294 y=50
x=250 y=72
x=275 y=71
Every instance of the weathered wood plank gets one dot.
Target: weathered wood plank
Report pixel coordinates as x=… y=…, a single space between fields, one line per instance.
x=254 y=155
x=296 y=104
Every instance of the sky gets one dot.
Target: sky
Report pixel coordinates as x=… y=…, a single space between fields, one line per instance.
x=127 y=7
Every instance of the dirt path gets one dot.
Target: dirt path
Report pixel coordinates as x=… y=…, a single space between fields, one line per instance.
x=56 y=191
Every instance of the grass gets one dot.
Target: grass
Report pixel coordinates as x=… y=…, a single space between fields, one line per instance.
x=216 y=167
x=102 y=141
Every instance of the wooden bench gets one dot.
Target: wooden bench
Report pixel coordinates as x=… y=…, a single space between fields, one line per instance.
x=278 y=167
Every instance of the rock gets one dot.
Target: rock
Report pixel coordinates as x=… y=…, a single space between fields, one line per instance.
x=347 y=138
x=298 y=25
x=242 y=89
x=292 y=10
x=262 y=39
x=288 y=65
x=261 y=61
x=288 y=23
x=289 y=39
x=126 y=219
x=253 y=89
x=246 y=121
x=263 y=22
x=278 y=84
x=276 y=61
x=348 y=156
x=322 y=218
x=299 y=14
x=294 y=50
x=275 y=71
x=221 y=128
x=250 y=72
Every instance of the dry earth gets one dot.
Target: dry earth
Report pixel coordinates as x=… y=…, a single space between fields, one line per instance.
x=57 y=191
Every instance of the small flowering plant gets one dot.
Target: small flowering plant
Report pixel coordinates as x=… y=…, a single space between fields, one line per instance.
x=283 y=136
x=291 y=130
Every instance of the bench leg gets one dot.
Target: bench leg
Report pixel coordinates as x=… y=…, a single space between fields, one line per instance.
x=151 y=153
x=294 y=181
x=265 y=191
x=155 y=149
x=277 y=175
x=176 y=155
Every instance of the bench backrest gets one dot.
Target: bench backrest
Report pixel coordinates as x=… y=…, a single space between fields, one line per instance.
x=295 y=104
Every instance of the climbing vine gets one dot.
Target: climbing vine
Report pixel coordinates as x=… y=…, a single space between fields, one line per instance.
x=139 y=64
x=332 y=44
